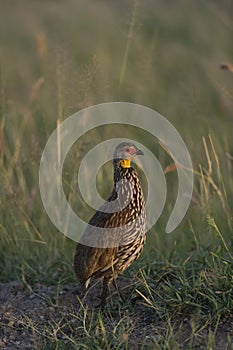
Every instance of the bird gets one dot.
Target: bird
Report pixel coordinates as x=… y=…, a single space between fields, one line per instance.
x=116 y=234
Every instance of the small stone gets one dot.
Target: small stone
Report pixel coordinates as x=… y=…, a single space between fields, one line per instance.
x=51 y=309
x=32 y=296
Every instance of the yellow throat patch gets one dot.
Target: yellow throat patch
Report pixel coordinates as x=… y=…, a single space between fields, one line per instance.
x=125 y=163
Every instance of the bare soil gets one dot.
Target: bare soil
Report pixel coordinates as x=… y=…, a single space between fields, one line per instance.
x=26 y=313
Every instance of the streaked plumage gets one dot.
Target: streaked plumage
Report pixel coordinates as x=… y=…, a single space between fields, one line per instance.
x=123 y=234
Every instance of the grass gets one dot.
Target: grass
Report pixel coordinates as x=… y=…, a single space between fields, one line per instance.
x=56 y=59
x=174 y=304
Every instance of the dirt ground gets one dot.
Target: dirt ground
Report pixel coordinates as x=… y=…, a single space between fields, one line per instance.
x=25 y=313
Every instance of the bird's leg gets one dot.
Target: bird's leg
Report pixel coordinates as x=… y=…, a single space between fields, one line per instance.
x=118 y=290
x=83 y=289
x=81 y=295
x=105 y=291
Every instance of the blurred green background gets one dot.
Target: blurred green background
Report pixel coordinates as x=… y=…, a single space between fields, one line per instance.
x=58 y=57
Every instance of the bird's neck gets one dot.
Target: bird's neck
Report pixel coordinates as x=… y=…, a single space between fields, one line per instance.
x=125 y=163
x=120 y=170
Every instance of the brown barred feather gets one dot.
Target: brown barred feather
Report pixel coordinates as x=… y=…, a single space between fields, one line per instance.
x=91 y=262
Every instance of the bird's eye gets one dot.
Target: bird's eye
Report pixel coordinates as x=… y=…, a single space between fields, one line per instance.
x=127 y=149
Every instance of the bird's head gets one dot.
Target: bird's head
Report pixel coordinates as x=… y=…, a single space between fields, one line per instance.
x=124 y=153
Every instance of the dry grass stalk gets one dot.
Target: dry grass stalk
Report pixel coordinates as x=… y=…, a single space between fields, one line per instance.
x=2 y=142
x=36 y=89
x=41 y=42
x=227 y=66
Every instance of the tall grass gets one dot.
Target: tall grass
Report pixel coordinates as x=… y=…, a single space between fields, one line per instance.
x=58 y=58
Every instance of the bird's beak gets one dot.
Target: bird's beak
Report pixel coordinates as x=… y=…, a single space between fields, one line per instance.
x=139 y=152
